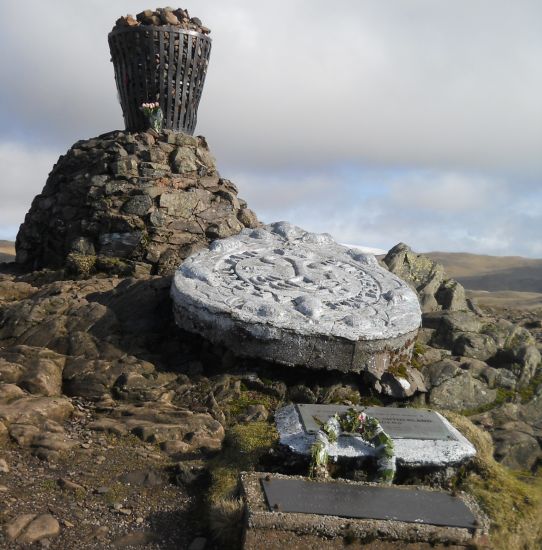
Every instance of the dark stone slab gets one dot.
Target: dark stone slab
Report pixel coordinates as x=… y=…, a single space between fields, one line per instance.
x=399 y=423
x=408 y=505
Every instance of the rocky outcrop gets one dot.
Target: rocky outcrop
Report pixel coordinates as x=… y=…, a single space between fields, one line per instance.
x=178 y=431
x=128 y=203
x=35 y=422
x=516 y=429
x=470 y=361
x=498 y=342
x=30 y=528
x=435 y=290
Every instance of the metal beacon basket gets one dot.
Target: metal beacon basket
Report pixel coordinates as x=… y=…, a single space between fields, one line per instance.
x=161 y=64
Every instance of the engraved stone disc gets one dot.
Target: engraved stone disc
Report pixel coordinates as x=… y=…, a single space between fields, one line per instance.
x=299 y=298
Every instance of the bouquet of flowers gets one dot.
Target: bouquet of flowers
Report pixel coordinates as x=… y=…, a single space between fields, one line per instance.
x=154 y=115
x=361 y=424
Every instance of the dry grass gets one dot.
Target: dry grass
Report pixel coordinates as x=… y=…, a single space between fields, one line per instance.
x=462 y=264
x=512 y=500
x=225 y=521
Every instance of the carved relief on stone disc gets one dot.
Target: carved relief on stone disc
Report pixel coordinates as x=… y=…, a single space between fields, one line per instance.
x=288 y=278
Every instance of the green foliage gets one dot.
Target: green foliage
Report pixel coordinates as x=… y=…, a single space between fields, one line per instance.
x=417 y=352
x=524 y=395
x=503 y=396
x=244 y=446
x=528 y=392
x=117 y=493
x=114 y=266
x=240 y=404
x=370 y=401
x=419 y=349
x=49 y=485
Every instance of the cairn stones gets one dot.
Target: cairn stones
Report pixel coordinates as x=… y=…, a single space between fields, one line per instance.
x=126 y=202
x=297 y=298
x=163 y=16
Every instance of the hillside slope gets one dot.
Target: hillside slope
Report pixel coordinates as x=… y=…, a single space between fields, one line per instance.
x=492 y=273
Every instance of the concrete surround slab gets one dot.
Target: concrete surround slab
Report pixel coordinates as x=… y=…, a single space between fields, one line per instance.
x=273 y=529
x=410 y=453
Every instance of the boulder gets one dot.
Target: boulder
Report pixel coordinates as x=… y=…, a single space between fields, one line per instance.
x=462 y=392
x=437 y=373
x=177 y=430
x=29 y=528
x=516 y=449
x=477 y=346
x=36 y=411
x=435 y=290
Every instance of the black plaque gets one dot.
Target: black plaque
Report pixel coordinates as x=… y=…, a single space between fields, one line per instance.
x=367 y=502
x=398 y=423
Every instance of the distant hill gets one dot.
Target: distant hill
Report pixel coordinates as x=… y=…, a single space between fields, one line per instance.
x=7 y=251
x=492 y=273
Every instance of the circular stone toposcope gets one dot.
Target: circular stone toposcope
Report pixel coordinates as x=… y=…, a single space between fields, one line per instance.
x=286 y=295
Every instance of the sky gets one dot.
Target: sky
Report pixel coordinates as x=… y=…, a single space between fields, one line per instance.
x=416 y=121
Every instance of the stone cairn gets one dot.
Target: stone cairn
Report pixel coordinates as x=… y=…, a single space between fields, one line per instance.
x=122 y=202
x=129 y=202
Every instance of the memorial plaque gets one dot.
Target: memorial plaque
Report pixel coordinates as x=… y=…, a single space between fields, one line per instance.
x=367 y=502
x=398 y=423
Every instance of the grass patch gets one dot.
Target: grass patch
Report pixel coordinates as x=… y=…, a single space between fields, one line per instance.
x=49 y=485
x=419 y=348
x=239 y=405
x=528 y=392
x=244 y=446
x=370 y=401
x=116 y=494
x=524 y=395
x=511 y=500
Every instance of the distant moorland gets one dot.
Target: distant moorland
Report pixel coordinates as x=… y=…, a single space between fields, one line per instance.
x=507 y=281
x=7 y=251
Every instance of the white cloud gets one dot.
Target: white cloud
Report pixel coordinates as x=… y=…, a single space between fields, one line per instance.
x=448 y=192
x=450 y=92
x=428 y=210
x=421 y=83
